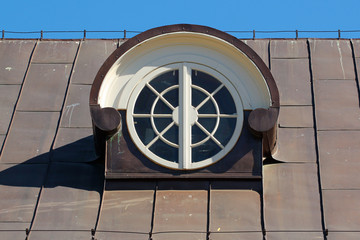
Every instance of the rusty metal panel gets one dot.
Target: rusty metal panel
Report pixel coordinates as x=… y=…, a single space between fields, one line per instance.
x=296 y=145
x=14 y=59
x=356 y=45
x=236 y=235
x=19 y=187
x=341 y=210
x=44 y=88
x=55 y=52
x=234 y=210
x=332 y=59
x=294 y=235
x=180 y=211
x=59 y=235
x=91 y=56
x=8 y=97
x=291 y=197
x=293 y=80
x=30 y=137
x=179 y=235
x=288 y=48
x=337 y=105
x=71 y=197
x=76 y=112
x=261 y=47
x=296 y=116
x=127 y=212
x=74 y=145
x=343 y=235
x=339 y=159
x=100 y=235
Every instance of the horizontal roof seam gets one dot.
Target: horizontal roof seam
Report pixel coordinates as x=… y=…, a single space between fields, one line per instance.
x=289 y=58
x=296 y=105
x=43 y=63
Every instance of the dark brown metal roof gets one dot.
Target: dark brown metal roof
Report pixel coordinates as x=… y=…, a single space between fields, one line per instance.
x=50 y=183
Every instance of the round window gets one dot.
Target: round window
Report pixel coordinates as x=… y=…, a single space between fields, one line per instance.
x=185 y=116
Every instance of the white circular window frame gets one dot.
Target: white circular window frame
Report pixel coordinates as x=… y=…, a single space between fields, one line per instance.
x=185 y=149
x=226 y=63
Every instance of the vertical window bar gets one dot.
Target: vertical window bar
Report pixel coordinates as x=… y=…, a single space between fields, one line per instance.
x=184 y=118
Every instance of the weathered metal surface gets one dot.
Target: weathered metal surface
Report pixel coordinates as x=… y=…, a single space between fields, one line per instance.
x=30 y=137
x=234 y=210
x=343 y=235
x=179 y=211
x=55 y=52
x=74 y=145
x=14 y=226
x=91 y=56
x=261 y=47
x=124 y=160
x=357 y=62
x=296 y=116
x=14 y=59
x=71 y=197
x=12 y=234
x=288 y=49
x=183 y=185
x=293 y=80
x=127 y=212
x=138 y=39
x=339 y=159
x=332 y=59
x=291 y=197
x=8 y=96
x=296 y=145
x=59 y=235
x=341 y=210
x=294 y=235
x=2 y=139
x=100 y=235
x=44 y=88
x=76 y=111
x=337 y=105
x=356 y=46
x=19 y=187
x=179 y=235
x=237 y=235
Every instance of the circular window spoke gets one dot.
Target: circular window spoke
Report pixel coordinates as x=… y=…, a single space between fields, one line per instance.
x=209 y=134
x=217 y=115
x=210 y=95
x=160 y=96
x=152 y=115
x=162 y=138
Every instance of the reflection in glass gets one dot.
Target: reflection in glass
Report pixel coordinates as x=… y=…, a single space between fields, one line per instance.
x=225 y=130
x=205 y=151
x=225 y=101
x=144 y=101
x=204 y=80
x=144 y=129
x=165 y=80
x=165 y=151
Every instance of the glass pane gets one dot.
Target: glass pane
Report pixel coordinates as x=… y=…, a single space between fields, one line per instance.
x=204 y=151
x=162 y=123
x=173 y=97
x=144 y=101
x=144 y=129
x=197 y=134
x=225 y=130
x=204 y=80
x=165 y=80
x=208 y=123
x=197 y=97
x=225 y=101
x=172 y=134
x=162 y=108
x=207 y=108
x=165 y=151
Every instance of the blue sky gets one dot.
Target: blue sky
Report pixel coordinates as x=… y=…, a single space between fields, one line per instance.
x=138 y=15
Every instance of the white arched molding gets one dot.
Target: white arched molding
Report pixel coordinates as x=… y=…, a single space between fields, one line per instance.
x=191 y=47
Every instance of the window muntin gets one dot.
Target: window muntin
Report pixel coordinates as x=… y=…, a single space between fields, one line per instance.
x=185 y=116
